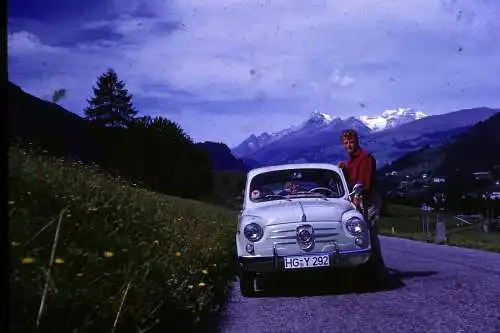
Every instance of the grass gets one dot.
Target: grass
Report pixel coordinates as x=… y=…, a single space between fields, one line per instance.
x=95 y=253
x=405 y=222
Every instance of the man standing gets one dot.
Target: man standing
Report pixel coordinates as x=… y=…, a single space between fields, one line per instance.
x=361 y=168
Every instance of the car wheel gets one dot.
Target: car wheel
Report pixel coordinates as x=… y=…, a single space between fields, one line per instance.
x=247 y=287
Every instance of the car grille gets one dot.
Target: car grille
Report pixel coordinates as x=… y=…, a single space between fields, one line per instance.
x=285 y=238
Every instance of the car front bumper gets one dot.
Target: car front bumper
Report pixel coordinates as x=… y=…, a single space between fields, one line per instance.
x=338 y=259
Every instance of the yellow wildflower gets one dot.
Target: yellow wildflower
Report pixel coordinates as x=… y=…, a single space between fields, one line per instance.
x=108 y=254
x=28 y=260
x=202 y=284
x=59 y=261
x=177 y=254
x=190 y=286
x=204 y=271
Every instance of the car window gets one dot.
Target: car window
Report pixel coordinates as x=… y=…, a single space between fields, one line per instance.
x=296 y=183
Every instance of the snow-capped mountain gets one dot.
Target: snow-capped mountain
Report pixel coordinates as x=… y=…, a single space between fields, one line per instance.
x=398 y=132
x=320 y=121
x=254 y=142
x=317 y=121
x=392 y=118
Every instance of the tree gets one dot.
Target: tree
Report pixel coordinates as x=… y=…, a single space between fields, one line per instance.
x=162 y=129
x=58 y=95
x=111 y=104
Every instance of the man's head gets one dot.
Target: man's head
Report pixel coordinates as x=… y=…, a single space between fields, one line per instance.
x=350 y=141
x=290 y=186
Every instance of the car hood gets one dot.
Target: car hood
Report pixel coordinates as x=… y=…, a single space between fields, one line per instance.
x=315 y=210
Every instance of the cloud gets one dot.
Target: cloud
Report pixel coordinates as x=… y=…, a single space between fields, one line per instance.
x=239 y=62
x=342 y=81
x=25 y=43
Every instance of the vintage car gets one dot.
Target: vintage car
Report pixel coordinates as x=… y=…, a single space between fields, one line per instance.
x=298 y=217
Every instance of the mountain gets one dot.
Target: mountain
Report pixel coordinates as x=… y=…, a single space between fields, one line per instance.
x=392 y=118
x=474 y=150
x=318 y=121
x=222 y=158
x=253 y=143
x=390 y=144
x=317 y=139
x=319 y=129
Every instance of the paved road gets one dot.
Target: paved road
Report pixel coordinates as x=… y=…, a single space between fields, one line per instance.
x=432 y=288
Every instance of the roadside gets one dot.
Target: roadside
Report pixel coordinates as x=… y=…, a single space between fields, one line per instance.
x=409 y=222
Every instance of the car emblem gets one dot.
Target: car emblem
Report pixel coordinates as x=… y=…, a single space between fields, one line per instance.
x=305 y=236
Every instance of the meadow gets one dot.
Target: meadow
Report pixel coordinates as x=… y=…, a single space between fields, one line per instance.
x=91 y=252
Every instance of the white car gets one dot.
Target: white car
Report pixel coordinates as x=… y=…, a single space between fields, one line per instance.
x=299 y=217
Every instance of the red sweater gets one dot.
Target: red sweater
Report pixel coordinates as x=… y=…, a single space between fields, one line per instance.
x=361 y=168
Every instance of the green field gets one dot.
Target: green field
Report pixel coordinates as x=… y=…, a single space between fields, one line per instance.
x=118 y=257
x=403 y=221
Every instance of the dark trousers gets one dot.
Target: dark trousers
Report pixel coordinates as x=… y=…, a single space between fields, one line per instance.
x=371 y=213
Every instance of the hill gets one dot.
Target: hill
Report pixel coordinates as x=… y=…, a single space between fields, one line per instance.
x=222 y=158
x=172 y=166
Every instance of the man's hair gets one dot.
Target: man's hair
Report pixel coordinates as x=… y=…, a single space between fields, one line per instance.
x=349 y=134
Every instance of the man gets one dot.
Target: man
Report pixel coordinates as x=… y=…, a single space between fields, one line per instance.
x=289 y=188
x=361 y=168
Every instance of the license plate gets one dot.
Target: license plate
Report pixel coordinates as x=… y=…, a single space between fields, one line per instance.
x=306 y=261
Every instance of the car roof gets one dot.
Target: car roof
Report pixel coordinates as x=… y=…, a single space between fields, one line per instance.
x=252 y=173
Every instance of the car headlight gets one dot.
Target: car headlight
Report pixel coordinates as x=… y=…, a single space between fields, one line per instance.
x=253 y=232
x=355 y=226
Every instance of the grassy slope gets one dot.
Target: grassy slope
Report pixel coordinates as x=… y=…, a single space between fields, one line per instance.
x=407 y=224
x=175 y=256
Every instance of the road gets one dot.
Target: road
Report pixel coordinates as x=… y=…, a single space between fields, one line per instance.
x=432 y=288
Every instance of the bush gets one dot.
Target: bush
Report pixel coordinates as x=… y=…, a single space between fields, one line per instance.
x=149 y=261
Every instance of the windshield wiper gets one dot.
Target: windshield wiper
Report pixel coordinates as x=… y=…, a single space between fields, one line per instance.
x=314 y=194
x=276 y=196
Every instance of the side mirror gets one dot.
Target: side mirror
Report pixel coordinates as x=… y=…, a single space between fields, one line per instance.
x=357 y=189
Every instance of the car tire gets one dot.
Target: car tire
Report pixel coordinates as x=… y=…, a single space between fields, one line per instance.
x=247 y=286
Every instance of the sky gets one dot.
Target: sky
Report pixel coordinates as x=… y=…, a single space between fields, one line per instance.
x=225 y=69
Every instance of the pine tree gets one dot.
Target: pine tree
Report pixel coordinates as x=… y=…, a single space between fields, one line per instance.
x=111 y=104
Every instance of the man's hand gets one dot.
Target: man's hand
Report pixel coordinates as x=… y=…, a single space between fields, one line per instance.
x=356 y=200
x=341 y=164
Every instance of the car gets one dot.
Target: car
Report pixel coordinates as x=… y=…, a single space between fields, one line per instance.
x=300 y=217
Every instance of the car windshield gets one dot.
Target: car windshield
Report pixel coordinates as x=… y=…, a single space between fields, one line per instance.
x=296 y=183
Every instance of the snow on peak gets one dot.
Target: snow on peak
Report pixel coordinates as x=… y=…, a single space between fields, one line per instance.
x=403 y=112
x=320 y=116
x=392 y=118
